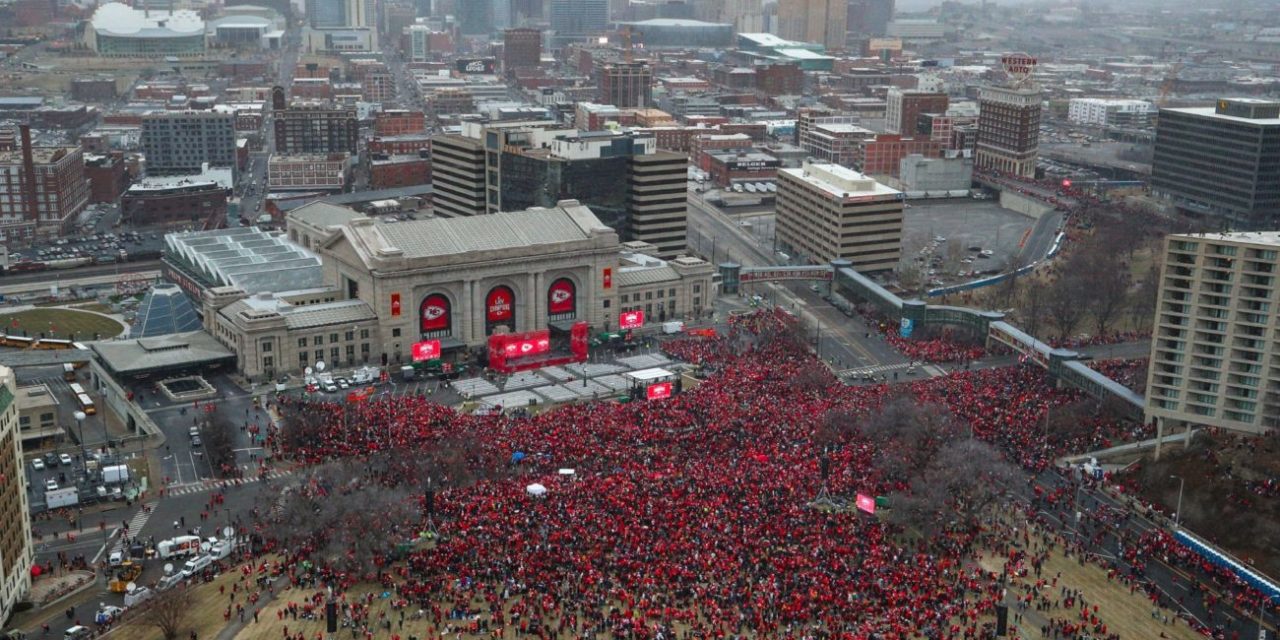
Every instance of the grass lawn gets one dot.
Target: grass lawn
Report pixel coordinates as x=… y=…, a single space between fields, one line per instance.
x=205 y=617
x=1126 y=614
x=66 y=323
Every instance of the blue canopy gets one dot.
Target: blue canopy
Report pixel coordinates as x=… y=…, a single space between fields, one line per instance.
x=1249 y=576
x=517 y=457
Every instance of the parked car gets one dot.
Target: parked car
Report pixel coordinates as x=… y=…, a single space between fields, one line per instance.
x=50 y=460
x=65 y=459
x=37 y=464
x=51 y=485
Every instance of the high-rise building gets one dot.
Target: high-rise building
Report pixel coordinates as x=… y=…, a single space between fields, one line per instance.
x=1215 y=346
x=625 y=85
x=524 y=11
x=499 y=15
x=630 y=185
x=16 y=554
x=419 y=42
x=574 y=20
x=903 y=109
x=42 y=190
x=1221 y=161
x=177 y=142
x=1101 y=112
x=521 y=49
x=1008 y=130
x=869 y=17
x=457 y=175
x=316 y=127
x=475 y=17
x=327 y=14
x=821 y=21
x=826 y=212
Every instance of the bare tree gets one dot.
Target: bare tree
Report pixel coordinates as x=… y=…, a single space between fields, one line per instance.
x=960 y=483
x=1009 y=288
x=1032 y=309
x=218 y=436
x=1142 y=308
x=1065 y=301
x=1108 y=285
x=169 y=611
x=906 y=434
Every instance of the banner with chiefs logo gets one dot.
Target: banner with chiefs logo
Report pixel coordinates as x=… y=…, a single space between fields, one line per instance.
x=562 y=299
x=435 y=316
x=500 y=307
x=395 y=305
x=631 y=319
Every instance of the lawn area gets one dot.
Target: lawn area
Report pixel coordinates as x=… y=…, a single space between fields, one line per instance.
x=65 y=323
x=1124 y=613
x=205 y=617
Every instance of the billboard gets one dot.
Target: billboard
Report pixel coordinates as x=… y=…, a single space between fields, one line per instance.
x=529 y=343
x=866 y=503
x=477 y=65
x=607 y=277
x=658 y=391
x=435 y=314
x=631 y=319
x=395 y=305
x=426 y=350
x=499 y=305
x=562 y=297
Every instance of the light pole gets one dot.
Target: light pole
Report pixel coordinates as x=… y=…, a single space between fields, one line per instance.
x=1261 y=609
x=80 y=416
x=1177 y=514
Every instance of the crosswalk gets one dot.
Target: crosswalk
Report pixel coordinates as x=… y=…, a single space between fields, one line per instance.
x=875 y=370
x=136 y=523
x=250 y=476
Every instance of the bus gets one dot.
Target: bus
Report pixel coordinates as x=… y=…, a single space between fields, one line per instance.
x=77 y=388
x=86 y=405
x=53 y=344
x=21 y=342
x=68 y=372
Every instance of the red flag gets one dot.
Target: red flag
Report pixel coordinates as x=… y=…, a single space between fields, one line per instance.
x=866 y=503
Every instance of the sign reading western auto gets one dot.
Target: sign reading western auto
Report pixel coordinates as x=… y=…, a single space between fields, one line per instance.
x=798 y=273
x=561 y=297
x=631 y=319
x=434 y=314
x=1019 y=66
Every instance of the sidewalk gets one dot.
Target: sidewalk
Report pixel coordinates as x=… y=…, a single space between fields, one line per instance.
x=45 y=590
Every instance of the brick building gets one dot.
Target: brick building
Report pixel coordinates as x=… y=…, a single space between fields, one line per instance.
x=412 y=143
x=521 y=49
x=93 y=89
x=199 y=203
x=386 y=172
x=780 y=79
x=395 y=122
x=313 y=127
x=107 y=177
x=42 y=190
x=883 y=154
x=728 y=168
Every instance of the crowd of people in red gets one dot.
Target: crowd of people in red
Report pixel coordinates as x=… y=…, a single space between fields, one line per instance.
x=1132 y=373
x=946 y=347
x=691 y=517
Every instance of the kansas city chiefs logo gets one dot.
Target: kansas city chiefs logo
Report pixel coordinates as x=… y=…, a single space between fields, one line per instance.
x=559 y=295
x=526 y=347
x=631 y=317
x=432 y=312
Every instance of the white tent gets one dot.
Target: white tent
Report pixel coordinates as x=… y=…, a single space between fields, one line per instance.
x=535 y=490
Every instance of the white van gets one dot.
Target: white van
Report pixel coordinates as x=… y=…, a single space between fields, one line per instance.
x=195 y=565
x=76 y=633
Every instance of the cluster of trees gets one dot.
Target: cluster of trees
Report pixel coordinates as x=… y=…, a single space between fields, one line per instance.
x=952 y=479
x=218 y=435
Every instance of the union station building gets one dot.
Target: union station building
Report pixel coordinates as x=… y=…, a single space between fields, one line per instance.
x=349 y=290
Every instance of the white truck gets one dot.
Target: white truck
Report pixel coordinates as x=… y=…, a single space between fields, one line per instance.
x=674 y=326
x=365 y=375
x=180 y=546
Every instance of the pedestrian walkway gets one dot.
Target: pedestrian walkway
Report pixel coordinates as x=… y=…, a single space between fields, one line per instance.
x=250 y=477
x=136 y=523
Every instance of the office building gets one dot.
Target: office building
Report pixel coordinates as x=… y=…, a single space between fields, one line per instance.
x=1215 y=346
x=458 y=176
x=326 y=14
x=1099 y=112
x=42 y=190
x=524 y=11
x=199 y=202
x=316 y=127
x=1008 y=130
x=625 y=85
x=328 y=172
x=575 y=20
x=16 y=553
x=834 y=139
x=178 y=142
x=820 y=21
x=521 y=49
x=903 y=109
x=630 y=185
x=869 y=17
x=826 y=212
x=1221 y=161
x=474 y=16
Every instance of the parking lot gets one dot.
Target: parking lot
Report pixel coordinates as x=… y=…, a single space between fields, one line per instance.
x=963 y=236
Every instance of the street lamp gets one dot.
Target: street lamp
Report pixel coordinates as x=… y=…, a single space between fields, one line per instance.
x=1177 y=514
x=80 y=416
x=1261 y=610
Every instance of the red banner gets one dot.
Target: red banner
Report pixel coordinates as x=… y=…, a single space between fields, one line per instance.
x=705 y=333
x=426 y=350
x=357 y=395
x=866 y=503
x=527 y=344
x=562 y=297
x=395 y=305
x=608 y=277
x=499 y=305
x=631 y=319
x=579 y=340
x=434 y=313
x=658 y=391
